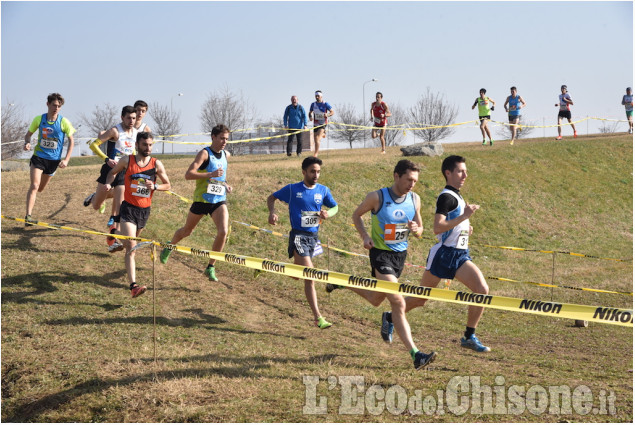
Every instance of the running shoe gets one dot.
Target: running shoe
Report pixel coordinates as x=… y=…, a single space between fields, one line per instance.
x=491 y=142
x=474 y=344
x=387 y=328
x=28 y=221
x=89 y=199
x=484 y=142
x=330 y=287
x=102 y=209
x=165 y=254
x=422 y=359
x=322 y=323
x=512 y=142
x=210 y=272
x=559 y=138
x=115 y=246
x=111 y=221
x=137 y=290
x=575 y=134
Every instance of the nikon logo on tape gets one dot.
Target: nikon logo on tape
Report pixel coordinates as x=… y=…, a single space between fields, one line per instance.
x=415 y=290
x=613 y=315
x=235 y=259
x=473 y=298
x=272 y=267
x=315 y=274
x=200 y=252
x=545 y=307
x=366 y=282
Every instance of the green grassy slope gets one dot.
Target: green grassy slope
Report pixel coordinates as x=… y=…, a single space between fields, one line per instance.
x=75 y=347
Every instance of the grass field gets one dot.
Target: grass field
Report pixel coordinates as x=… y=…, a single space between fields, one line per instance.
x=77 y=348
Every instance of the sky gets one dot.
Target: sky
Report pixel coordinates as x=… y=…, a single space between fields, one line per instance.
x=117 y=52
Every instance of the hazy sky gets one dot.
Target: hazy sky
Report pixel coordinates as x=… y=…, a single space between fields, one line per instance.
x=118 y=52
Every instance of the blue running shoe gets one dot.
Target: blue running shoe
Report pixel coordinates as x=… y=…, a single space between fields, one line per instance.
x=386 y=328
x=422 y=359
x=111 y=221
x=474 y=344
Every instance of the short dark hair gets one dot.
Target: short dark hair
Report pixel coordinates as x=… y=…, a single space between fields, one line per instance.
x=220 y=128
x=405 y=165
x=144 y=135
x=128 y=110
x=513 y=88
x=140 y=103
x=379 y=93
x=482 y=90
x=450 y=162
x=53 y=97
x=310 y=160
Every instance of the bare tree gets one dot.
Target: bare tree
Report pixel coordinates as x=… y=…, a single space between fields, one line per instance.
x=14 y=127
x=167 y=123
x=103 y=117
x=432 y=110
x=505 y=131
x=228 y=108
x=608 y=127
x=346 y=114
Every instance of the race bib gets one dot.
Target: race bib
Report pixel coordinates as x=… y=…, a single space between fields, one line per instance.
x=310 y=218
x=48 y=143
x=462 y=241
x=395 y=233
x=378 y=120
x=141 y=191
x=216 y=189
x=319 y=115
x=512 y=107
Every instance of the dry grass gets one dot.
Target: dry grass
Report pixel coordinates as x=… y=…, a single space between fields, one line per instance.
x=75 y=347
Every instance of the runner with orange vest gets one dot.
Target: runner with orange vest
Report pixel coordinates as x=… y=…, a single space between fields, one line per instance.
x=140 y=175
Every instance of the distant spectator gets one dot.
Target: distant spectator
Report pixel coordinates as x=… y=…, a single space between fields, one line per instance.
x=294 y=121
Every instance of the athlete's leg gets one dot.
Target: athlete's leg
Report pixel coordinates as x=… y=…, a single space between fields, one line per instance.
x=117 y=199
x=221 y=220
x=514 y=127
x=317 y=140
x=572 y=125
x=398 y=308
x=44 y=180
x=559 y=126
x=470 y=275
x=487 y=130
x=382 y=138
x=373 y=297
x=482 y=127
x=31 y=194
x=190 y=223
x=373 y=133
x=129 y=229
x=309 y=286
x=100 y=196
x=429 y=280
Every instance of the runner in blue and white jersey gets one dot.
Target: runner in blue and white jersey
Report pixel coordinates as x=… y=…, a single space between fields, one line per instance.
x=513 y=104
x=305 y=200
x=52 y=130
x=319 y=112
x=450 y=257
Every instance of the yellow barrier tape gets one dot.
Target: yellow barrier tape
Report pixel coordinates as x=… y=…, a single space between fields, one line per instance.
x=600 y=314
x=550 y=285
x=574 y=254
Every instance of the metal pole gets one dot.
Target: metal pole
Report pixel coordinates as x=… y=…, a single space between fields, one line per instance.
x=154 y=311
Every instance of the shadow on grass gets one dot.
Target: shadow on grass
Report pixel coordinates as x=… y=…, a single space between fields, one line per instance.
x=25 y=243
x=67 y=200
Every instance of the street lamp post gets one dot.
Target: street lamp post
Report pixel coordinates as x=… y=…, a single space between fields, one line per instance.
x=364 y=104
x=171 y=113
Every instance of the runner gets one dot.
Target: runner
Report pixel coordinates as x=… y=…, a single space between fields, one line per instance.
x=209 y=169
x=627 y=101
x=395 y=212
x=450 y=257
x=305 y=200
x=378 y=113
x=142 y=108
x=515 y=103
x=121 y=140
x=484 y=116
x=52 y=129
x=319 y=113
x=565 y=111
x=140 y=174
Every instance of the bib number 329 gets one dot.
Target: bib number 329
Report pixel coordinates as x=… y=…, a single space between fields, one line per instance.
x=215 y=189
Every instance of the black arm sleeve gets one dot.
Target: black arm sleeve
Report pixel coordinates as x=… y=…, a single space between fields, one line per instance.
x=446 y=203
